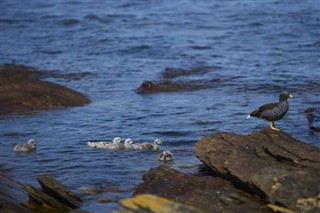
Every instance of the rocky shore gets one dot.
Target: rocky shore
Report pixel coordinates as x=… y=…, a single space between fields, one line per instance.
x=266 y=171
x=22 y=90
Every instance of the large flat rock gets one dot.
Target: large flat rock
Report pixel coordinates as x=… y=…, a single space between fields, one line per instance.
x=270 y=165
x=22 y=90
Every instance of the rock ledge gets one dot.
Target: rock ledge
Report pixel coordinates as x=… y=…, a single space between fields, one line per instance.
x=266 y=171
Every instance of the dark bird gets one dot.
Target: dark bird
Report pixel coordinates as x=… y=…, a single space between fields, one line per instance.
x=273 y=111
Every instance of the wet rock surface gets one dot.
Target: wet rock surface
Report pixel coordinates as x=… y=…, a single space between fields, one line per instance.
x=22 y=90
x=266 y=171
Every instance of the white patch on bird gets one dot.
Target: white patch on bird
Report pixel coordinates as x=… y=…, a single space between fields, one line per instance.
x=248 y=116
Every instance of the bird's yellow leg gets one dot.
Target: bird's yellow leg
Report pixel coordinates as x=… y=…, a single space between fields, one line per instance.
x=273 y=127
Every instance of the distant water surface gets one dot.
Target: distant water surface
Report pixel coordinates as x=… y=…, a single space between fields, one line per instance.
x=256 y=48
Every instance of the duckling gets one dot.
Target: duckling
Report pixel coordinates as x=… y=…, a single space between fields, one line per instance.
x=104 y=144
x=128 y=144
x=165 y=156
x=149 y=146
x=31 y=145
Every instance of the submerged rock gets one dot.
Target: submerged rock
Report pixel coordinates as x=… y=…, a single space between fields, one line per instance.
x=313 y=116
x=170 y=83
x=22 y=91
x=149 y=87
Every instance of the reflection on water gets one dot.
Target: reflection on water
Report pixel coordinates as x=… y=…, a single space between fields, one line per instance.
x=107 y=49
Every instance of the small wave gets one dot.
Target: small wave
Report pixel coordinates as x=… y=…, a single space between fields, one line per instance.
x=69 y=22
x=8 y=21
x=50 y=52
x=94 y=17
x=196 y=47
x=170 y=133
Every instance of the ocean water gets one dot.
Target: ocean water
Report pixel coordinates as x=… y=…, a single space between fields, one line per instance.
x=106 y=49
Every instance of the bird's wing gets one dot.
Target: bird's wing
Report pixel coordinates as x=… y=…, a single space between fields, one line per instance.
x=267 y=106
x=147 y=146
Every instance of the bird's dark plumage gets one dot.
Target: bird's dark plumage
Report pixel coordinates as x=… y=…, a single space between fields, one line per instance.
x=273 y=111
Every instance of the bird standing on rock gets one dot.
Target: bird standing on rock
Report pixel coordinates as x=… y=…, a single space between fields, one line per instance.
x=273 y=111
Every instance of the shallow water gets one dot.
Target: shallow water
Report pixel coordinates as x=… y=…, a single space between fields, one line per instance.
x=106 y=49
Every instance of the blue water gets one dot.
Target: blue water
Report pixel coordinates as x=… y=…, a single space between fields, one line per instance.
x=256 y=48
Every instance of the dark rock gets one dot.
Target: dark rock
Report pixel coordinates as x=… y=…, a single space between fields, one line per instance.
x=204 y=193
x=54 y=197
x=270 y=165
x=169 y=83
x=313 y=116
x=11 y=195
x=22 y=91
x=40 y=201
x=59 y=192
x=266 y=171
x=149 y=87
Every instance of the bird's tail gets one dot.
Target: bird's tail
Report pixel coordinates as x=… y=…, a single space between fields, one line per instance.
x=255 y=113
